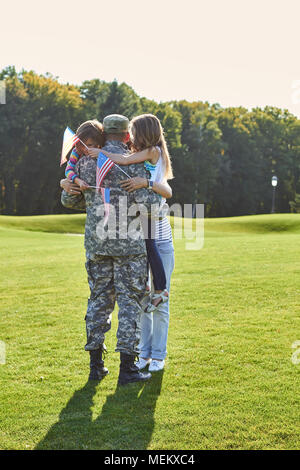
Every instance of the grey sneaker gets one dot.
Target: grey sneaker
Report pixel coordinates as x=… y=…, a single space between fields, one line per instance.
x=155 y=366
x=142 y=363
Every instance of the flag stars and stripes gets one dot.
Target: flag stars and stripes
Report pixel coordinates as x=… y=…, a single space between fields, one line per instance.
x=69 y=140
x=104 y=164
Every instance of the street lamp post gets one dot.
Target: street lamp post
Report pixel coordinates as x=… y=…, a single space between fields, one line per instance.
x=274 y=184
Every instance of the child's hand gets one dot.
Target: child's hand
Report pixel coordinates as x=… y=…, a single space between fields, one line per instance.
x=81 y=149
x=82 y=184
x=134 y=183
x=94 y=152
x=69 y=187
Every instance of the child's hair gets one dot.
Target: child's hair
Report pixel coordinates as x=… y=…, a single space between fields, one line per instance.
x=147 y=132
x=91 y=129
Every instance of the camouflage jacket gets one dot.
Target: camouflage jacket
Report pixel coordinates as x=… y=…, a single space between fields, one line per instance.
x=123 y=234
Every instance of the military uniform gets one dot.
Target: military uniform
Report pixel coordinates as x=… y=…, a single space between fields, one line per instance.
x=116 y=265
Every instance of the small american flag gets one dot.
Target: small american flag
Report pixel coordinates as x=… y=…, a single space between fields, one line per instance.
x=104 y=164
x=69 y=140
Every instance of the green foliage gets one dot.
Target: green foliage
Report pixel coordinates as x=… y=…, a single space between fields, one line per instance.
x=295 y=205
x=224 y=158
x=108 y=98
x=31 y=127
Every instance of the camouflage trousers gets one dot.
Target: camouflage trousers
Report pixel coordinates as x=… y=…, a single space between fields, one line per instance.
x=112 y=279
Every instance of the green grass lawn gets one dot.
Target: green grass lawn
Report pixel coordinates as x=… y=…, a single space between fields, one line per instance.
x=229 y=382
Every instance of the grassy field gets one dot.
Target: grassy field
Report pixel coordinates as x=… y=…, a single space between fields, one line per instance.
x=229 y=381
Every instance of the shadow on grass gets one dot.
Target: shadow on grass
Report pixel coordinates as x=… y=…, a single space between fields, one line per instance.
x=126 y=420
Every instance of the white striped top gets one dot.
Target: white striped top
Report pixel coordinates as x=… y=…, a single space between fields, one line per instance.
x=163 y=228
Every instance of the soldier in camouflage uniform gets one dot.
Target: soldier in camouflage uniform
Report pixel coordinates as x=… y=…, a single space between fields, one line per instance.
x=116 y=265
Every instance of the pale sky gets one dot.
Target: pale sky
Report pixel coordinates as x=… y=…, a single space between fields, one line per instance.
x=232 y=52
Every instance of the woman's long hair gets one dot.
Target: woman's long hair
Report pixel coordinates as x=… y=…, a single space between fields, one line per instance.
x=147 y=132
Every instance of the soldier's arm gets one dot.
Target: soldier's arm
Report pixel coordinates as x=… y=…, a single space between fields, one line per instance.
x=163 y=189
x=76 y=202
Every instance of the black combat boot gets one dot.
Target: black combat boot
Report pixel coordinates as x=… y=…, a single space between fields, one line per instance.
x=97 y=369
x=129 y=372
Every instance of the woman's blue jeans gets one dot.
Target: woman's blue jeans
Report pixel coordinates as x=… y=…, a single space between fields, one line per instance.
x=155 y=325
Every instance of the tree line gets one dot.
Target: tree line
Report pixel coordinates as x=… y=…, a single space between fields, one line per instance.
x=222 y=157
